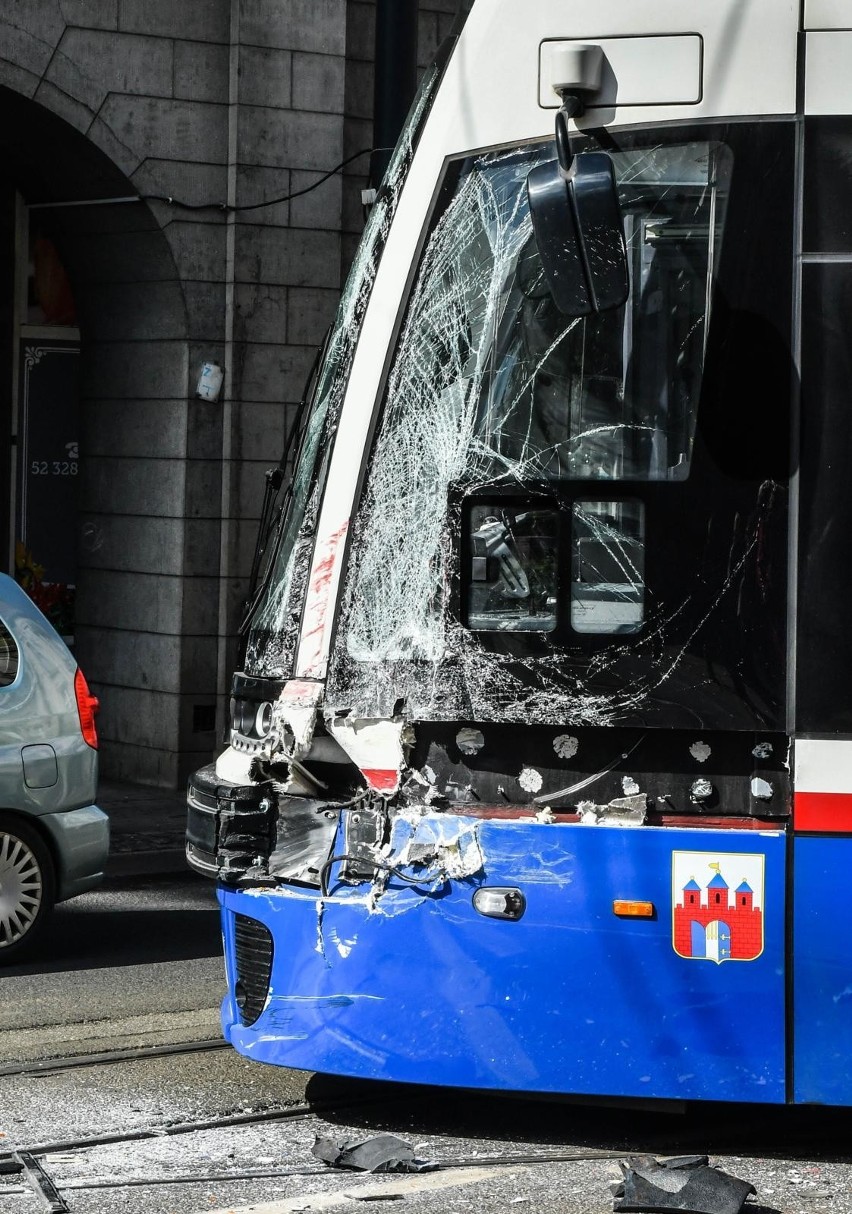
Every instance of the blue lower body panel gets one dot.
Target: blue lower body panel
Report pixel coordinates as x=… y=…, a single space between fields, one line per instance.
x=419 y=987
x=822 y=973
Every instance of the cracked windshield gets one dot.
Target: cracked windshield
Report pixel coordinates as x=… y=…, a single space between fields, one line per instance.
x=495 y=393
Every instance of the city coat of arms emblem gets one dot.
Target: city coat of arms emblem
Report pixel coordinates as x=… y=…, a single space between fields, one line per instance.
x=717 y=905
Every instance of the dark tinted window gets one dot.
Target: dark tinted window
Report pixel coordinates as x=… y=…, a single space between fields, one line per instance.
x=8 y=656
x=824 y=698
x=828 y=186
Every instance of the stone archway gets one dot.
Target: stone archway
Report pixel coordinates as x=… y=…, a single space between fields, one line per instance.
x=148 y=524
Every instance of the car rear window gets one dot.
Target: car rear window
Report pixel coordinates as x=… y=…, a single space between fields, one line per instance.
x=8 y=656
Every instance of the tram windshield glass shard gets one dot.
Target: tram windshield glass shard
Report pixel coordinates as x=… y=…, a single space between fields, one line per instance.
x=579 y=233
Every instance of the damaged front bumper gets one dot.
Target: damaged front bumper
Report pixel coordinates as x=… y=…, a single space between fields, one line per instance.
x=242 y=833
x=408 y=975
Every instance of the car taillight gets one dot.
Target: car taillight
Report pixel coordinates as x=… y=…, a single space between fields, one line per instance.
x=87 y=706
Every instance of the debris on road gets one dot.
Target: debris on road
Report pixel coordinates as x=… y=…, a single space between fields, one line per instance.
x=381 y=1153
x=687 y=1182
x=40 y=1181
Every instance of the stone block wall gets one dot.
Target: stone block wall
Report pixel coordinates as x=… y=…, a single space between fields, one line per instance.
x=205 y=103
x=436 y=19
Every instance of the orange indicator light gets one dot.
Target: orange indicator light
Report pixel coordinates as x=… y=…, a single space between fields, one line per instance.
x=633 y=910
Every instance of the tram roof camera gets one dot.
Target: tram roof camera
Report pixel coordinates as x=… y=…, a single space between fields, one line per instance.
x=576 y=67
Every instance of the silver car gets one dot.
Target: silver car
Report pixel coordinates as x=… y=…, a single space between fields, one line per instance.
x=54 y=840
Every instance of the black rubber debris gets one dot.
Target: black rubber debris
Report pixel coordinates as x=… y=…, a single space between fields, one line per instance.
x=382 y=1153
x=52 y=1202
x=684 y=1183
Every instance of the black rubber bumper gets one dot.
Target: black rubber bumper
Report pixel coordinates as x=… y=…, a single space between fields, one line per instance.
x=230 y=828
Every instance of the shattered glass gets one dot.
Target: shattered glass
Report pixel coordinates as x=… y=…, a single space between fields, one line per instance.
x=274 y=631
x=493 y=391
x=608 y=566
x=514 y=578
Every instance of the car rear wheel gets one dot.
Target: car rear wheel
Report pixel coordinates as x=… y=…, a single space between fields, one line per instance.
x=27 y=888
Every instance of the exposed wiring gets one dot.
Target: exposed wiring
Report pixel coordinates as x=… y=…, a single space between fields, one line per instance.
x=381 y=865
x=338 y=806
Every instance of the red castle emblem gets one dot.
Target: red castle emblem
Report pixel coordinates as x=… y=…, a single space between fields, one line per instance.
x=717 y=920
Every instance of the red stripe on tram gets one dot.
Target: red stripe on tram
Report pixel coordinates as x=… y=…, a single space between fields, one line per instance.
x=825 y=812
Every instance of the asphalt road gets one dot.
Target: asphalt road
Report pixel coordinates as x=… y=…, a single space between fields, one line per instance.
x=137 y=965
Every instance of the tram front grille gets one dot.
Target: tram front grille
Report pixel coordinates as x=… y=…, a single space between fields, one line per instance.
x=253 y=949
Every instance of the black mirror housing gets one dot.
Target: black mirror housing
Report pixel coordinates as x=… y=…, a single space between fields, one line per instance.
x=579 y=232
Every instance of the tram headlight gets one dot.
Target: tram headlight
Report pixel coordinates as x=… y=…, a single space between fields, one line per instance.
x=263 y=720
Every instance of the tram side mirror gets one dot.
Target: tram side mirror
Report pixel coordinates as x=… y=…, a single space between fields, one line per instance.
x=579 y=233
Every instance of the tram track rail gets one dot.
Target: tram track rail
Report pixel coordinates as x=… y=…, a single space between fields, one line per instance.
x=38 y=1171
x=53 y=1066
x=444 y=1165
x=142 y=1134
x=54 y=1191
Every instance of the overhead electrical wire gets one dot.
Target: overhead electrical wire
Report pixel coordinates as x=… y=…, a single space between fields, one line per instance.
x=222 y=207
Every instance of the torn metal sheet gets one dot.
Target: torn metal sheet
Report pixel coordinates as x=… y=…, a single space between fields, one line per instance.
x=375 y=747
x=294 y=716
x=381 y=1153
x=446 y=846
x=685 y=1183
x=305 y=834
x=622 y=811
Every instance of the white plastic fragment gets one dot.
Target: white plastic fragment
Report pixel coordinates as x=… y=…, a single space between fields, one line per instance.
x=295 y=709
x=374 y=746
x=700 y=751
x=623 y=811
x=530 y=780
x=566 y=745
x=470 y=741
